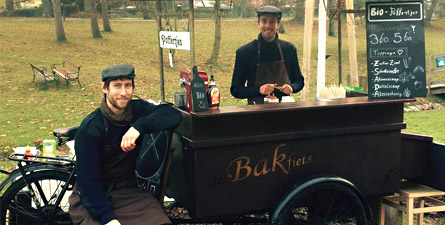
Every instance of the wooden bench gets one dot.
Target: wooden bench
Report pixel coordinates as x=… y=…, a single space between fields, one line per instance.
x=408 y=193
x=68 y=71
x=433 y=66
x=41 y=71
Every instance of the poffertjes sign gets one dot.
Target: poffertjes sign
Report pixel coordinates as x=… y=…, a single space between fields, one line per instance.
x=174 y=40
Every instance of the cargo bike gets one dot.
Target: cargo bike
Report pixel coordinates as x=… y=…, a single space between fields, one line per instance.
x=295 y=163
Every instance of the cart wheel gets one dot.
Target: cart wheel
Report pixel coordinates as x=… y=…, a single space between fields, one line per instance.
x=317 y=203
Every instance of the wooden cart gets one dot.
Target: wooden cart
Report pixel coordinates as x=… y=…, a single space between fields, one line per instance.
x=279 y=158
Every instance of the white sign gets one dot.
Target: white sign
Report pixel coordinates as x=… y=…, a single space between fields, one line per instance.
x=175 y=40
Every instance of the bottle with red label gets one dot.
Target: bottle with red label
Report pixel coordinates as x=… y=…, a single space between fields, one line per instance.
x=213 y=92
x=28 y=153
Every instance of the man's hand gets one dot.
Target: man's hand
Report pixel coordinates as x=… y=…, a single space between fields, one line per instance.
x=113 y=222
x=286 y=89
x=129 y=139
x=267 y=89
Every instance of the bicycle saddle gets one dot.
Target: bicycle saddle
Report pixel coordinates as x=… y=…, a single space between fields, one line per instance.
x=66 y=132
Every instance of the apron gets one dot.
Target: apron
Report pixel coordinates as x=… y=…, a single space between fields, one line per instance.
x=131 y=205
x=273 y=72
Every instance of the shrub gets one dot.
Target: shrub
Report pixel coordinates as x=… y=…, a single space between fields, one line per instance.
x=71 y=9
x=31 y=12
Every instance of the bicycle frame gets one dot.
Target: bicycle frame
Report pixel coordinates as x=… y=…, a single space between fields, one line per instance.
x=35 y=166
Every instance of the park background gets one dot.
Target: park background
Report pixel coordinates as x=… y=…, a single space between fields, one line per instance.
x=29 y=113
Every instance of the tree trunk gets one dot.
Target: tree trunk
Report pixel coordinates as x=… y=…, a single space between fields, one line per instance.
x=216 y=44
x=331 y=19
x=18 y=5
x=86 y=6
x=105 y=18
x=94 y=23
x=299 y=11
x=430 y=12
x=145 y=10
x=60 y=32
x=9 y=6
x=46 y=5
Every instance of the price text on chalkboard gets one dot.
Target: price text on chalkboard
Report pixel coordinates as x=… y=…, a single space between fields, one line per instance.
x=396 y=50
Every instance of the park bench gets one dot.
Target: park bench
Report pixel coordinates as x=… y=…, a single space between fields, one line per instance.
x=68 y=70
x=41 y=71
x=435 y=63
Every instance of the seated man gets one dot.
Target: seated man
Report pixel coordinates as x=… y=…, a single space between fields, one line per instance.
x=107 y=146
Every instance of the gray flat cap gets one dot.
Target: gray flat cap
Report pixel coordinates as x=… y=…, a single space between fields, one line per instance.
x=118 y=71
x=269 y=9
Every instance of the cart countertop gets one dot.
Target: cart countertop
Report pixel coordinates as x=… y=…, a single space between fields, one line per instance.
x=292 y=106
x=349 y=115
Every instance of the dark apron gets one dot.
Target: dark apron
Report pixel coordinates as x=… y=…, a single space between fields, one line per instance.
x=118 y=167
x=273 y=72
x=131 y=205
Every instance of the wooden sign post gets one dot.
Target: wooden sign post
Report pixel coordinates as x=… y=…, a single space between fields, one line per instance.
x=396 y=49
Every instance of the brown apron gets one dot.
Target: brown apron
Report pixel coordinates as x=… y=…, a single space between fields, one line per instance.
x=273 y=72
x=131 y=205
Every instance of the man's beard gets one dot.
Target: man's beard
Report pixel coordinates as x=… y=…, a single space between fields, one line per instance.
x=115 y=105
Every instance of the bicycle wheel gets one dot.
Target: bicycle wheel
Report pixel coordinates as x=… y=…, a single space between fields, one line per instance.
x=19 y=207
x=325 y=204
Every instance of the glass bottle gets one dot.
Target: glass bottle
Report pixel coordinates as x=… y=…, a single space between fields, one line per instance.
x=213 y=94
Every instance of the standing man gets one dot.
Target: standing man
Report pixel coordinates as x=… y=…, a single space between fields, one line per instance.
x=269 y=65
x=107 y=146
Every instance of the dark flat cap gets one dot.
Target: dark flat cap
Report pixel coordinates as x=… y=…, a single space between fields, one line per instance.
x=118 y=71
x=269 y=9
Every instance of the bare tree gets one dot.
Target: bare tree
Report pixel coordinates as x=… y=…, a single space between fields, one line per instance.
x=331 y=18
x=9 y=6
x=18 y=5
x=60 y=32
x=216 y=44
x=299 y=11
x=94 y=23
x=46 y=5
x=86 y=6
x=430 y=12
x=105 y=18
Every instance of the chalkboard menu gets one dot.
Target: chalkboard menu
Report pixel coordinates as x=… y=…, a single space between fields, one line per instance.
x=199 y=93
x=396 y=49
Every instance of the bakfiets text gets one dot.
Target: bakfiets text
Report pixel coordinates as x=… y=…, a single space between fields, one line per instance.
x=243 y=167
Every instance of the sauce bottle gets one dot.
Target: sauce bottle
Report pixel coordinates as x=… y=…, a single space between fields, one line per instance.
x=213 y=92
x=28 y=153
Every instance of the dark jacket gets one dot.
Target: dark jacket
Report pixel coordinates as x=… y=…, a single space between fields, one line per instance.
x=246 y=64
x=90 y=143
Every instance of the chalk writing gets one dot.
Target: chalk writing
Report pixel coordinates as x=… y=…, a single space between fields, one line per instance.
x=396 y=50
x=400 y=11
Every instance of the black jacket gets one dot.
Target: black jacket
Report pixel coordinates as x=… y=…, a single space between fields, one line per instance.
x=246 y=64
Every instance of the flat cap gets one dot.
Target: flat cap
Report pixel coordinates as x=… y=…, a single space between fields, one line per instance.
x=269 y=9
x=118 y=71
